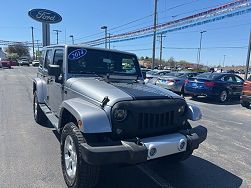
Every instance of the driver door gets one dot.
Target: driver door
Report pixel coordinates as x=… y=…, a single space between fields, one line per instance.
x=55 y=85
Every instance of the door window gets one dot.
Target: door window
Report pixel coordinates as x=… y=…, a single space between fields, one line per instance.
x=227 y=78
x=48 y=59
x=238 y=79
x=58 y=57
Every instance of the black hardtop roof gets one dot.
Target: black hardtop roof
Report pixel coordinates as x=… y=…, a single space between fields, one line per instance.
x=87 y=47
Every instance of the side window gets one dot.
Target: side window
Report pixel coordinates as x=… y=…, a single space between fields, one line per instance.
x=41 y=59
x=238 y=79
x=227 y=79
x=58 y=57
x=48 y=59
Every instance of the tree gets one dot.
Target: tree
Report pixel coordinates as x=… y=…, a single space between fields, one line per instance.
x=12 y=56
x=19 y=49
x=141 y=58
x=171 y=62
x=38 y=54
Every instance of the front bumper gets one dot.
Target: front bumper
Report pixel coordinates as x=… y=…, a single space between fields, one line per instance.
x=132 y=152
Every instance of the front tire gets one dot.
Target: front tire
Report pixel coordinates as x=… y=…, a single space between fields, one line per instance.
x=39 y=116
x=77 y=173
x=245 y=104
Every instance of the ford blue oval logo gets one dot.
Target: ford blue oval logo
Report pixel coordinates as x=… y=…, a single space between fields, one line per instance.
x=45 y=16
x=77 y=54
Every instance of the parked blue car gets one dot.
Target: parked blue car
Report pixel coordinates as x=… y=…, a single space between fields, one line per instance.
x=220 y=86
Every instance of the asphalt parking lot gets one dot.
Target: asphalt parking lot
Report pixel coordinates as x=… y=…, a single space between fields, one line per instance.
x=30 y=156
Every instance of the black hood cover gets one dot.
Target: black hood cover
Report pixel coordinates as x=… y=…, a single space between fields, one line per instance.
x=145 y=91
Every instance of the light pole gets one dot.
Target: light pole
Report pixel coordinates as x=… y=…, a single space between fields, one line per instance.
x=154 y=31
x=57 y=31
x=161 y=47
x=72 y=38
x=33 y=47
x=223 y=61
x=109 y=36
x=105 y=28
x=37 y=49
x=248 y=56
x=199 y=50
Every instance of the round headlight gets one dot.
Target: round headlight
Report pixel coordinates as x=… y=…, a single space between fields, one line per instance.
x=119 y=114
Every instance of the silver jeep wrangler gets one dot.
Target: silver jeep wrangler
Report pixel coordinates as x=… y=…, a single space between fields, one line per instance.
x=98 y=102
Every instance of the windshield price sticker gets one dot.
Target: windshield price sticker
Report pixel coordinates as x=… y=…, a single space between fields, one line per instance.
x=77 y=54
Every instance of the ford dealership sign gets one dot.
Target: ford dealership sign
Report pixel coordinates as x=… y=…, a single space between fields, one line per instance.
x=45 y=16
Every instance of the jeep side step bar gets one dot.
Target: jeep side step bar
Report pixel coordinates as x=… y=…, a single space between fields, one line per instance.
x=48 y=113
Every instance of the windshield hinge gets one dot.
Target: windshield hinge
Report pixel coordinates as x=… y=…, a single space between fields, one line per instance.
x=105 y=101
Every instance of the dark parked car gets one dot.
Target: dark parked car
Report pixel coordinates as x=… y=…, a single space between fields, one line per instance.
x=220 y=86
x=174 y=81
x=246 y=93
x=6 y=64
x=13 y=63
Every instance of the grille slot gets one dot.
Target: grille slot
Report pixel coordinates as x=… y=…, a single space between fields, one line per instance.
x=151 y=120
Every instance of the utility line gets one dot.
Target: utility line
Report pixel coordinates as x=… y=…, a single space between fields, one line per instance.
x=193 y=48
x=137 y=20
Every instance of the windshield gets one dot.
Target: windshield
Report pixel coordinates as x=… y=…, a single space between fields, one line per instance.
x=84 y=61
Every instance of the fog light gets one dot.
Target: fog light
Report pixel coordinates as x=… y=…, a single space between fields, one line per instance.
x=152 y=152
x=181 y=110
x=182 y=144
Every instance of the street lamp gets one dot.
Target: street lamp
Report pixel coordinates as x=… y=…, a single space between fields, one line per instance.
x=72 y=38
x=57 y=31
x=198 y=61
x=224 y=61
x=105 y=28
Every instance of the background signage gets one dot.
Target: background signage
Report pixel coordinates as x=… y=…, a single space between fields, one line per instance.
x=45 y=16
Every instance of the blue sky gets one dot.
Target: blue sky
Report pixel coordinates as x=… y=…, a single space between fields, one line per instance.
x=83 y=18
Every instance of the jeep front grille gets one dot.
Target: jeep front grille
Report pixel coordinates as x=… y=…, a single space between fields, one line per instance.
x=151 y=121
x=149 y=118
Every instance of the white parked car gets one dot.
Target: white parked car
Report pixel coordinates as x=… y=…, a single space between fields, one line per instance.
x=35 y=63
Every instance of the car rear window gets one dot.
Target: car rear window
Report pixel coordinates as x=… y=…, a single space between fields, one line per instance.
x=211 y=76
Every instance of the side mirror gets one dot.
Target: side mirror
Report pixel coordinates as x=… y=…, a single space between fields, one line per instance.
x=54 y=70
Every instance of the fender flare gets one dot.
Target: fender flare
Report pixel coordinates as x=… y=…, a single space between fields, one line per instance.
x=194 y=113
x=94 y=118
x=39 y=85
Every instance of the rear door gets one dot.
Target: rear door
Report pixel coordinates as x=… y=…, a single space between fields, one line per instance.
x=232 y=84
x=239 y=84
